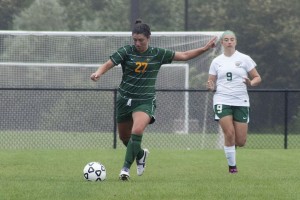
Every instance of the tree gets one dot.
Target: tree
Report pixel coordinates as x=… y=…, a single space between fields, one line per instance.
x=113 y=17
x=78 y=11
x=265 y=30
x=8 y=10
x=167 y=15
x=42 y=15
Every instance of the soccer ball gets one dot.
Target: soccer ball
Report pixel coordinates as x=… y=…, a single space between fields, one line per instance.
x=94 y=171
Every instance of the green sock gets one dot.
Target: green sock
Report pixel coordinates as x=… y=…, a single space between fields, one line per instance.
x=133 y=148
x=140 y=154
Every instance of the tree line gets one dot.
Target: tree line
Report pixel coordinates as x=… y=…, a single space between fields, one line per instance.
x=266 y=30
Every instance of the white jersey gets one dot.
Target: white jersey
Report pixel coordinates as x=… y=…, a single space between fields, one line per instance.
x=230 y=72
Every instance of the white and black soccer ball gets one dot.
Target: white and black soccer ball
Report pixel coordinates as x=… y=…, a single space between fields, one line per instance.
x=94 y=171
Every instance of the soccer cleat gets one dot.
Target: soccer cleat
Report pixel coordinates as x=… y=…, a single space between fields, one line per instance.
x=124 y=174
x=233 y=170
x=141 y=163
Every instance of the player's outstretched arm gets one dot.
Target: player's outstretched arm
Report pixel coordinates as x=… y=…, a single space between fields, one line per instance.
x=187 y=55
x=102 y=70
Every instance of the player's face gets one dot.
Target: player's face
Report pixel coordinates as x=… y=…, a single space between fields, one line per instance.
x=140 y=42
x=229 y=41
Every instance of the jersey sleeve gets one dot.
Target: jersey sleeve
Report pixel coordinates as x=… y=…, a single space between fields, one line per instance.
x=212 y=68
x=119 y=56
x=250 y=63
x=167 y=56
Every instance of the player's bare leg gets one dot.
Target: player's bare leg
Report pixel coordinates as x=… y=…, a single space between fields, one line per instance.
x=140 y=122
x=125 y=131
x=228 y=128
x=241 y=130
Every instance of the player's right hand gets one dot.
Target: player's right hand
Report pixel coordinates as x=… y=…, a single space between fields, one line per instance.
x=210 y=85
x=95 y=76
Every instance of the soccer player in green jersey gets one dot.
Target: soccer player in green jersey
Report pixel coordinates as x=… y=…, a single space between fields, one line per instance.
x=136 y=93
x=229 y=72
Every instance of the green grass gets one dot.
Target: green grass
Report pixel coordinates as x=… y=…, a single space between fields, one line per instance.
x=170 y=175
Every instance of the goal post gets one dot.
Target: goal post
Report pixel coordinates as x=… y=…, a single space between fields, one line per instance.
x=183 y=127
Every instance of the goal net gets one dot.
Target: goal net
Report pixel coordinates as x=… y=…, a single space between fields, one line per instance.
x=66 y=59
x=42 y=72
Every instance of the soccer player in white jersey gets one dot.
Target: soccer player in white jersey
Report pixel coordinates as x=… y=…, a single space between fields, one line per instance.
x=229 y=74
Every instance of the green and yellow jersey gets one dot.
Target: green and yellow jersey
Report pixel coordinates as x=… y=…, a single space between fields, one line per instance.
x=140 y=70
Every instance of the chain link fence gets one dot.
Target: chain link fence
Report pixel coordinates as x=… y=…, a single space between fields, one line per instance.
x=49 y=102
x=85 y=118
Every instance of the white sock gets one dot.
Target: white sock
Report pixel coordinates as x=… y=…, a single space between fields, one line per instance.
x=230 y=155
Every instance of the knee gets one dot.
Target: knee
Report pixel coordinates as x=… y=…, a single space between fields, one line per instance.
x=138 y=130
x=230 y=134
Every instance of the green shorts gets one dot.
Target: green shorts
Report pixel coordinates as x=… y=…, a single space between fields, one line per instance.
x=239 y=113
x=125 y=108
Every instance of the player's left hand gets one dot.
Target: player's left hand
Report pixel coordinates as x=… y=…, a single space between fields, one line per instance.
x=211 y=43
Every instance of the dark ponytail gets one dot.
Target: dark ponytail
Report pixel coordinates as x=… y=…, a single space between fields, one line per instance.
x=141 y=28
x=138 y=21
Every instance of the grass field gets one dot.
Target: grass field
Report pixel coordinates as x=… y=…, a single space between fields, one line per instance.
x=170 y=175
